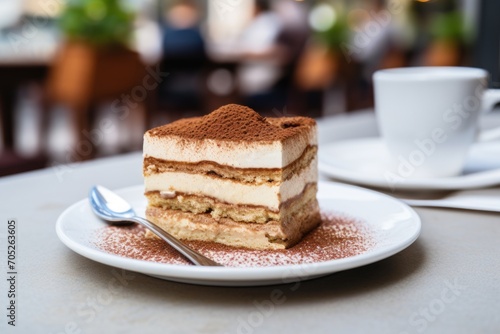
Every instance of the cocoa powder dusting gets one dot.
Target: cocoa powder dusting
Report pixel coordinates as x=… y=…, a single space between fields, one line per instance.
x=335 y=238
x=235 y=122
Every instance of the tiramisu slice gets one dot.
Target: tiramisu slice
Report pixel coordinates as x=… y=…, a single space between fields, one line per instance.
x=233 y=177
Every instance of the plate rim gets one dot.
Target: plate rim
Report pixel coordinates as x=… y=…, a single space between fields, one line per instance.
x=469 y=181
x=253 y=275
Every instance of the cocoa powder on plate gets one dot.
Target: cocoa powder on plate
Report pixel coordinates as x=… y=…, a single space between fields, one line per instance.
x=336 y=237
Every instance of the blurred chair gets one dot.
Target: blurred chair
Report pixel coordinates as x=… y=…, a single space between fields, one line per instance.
x=18 y=68
x=15 y=73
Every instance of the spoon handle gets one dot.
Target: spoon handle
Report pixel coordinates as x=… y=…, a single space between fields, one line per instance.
x=192 y=255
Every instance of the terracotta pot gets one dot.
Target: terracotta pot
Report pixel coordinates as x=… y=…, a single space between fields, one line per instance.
x=83 y=72
x=442 y=53
x=318 y=67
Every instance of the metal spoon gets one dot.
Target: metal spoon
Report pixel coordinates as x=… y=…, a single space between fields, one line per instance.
x=115 y=210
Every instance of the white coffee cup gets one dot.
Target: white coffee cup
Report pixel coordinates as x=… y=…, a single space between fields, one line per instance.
x=428 y=117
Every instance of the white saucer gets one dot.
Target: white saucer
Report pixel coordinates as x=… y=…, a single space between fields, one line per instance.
x=394 y=224
x=363 y=161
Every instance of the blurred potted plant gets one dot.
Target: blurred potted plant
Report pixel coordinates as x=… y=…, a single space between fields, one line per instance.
x=448 y=35
x=95 y=62
x=97 y=22
x=325 y=58
x=95 y=51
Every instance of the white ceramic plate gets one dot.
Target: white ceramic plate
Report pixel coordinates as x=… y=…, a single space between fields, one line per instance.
x=363 y=161
x=395 y=226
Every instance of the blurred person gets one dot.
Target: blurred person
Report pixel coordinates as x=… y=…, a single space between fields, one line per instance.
x=257 y=44
x=376 y=41
x=295 y=28
x=375 y=38
x=293 y=36
x=184 y=57
x=182 y=36
x=270 y=47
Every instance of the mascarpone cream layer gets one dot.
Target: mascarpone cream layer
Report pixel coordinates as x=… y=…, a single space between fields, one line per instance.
x=228 y=191
x=238 y=154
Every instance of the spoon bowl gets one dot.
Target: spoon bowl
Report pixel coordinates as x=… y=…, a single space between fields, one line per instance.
x=109 y=206
x=114 y=210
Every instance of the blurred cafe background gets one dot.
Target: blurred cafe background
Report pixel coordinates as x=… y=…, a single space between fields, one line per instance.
x=81 y=79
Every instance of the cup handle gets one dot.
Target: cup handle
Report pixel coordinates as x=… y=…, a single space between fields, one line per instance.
x=490 y=98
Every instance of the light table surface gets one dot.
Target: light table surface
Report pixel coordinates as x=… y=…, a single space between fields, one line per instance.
x=446 y=282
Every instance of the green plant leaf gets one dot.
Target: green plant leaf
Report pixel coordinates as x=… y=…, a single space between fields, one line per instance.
x=99 y=22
